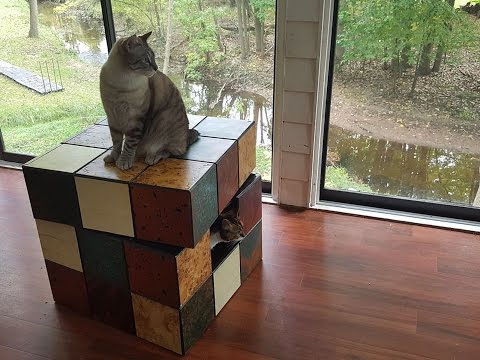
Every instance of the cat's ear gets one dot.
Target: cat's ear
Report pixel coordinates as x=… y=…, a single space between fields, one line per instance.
x=144 y=37
x=130 y=43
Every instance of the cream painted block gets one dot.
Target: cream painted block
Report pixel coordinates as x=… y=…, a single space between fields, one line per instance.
x=298 y=107
x=302 y=39
x=297 y=138
x=293 y=192
x=226 y=279
x=303 y=10
x=296 y=166
x=105 y=206
x=300 y=74
x=66 y=158
x=59 y=244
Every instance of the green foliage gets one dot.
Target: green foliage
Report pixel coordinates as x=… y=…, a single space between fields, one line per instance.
x=262 y=8
x=388 y=30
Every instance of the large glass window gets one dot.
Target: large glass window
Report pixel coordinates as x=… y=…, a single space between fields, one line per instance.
x=404 y=117
x=220 y=53
x=50 y=60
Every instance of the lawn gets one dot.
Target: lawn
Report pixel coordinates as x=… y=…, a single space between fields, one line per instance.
x=32 y=123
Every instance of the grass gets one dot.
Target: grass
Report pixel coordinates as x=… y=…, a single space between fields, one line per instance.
x=30 y=122
x=337 y=178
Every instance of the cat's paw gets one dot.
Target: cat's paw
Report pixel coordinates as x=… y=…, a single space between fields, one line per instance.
x=152 y=159
x=125 y=162
x=111 y=158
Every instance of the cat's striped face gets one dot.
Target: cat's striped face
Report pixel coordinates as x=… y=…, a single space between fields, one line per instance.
x=140 y=56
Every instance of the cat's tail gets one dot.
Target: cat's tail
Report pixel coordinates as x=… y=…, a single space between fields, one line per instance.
x=192 y=136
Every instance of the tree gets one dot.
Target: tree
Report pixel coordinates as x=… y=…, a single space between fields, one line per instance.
x=260 y=11
x=168 y=44
x=402 y=33
x=242 y=17
x=33 y=32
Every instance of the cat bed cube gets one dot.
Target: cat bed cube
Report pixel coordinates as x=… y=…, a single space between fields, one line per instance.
x=132 y=248
x=51 y=186
x=244 y=132
x=226 y=272
x=95 y=136
x=167 y=274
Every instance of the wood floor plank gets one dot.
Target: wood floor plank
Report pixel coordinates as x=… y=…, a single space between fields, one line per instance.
x=330 y=287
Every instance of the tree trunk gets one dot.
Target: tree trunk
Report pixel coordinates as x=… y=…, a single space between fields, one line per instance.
x=232 y=3
x=168 y=44
x=219 y=37
x=158 y=9
x=241 y=33
x=437 y=64
x=259 y=37
x=424 y=65
x=245 y=27
x=33 y=32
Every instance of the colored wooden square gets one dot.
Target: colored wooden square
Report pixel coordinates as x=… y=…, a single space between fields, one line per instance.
x=104 y=196
x=251 y=251
x=173 y=329
x=50 y=183
x=59 y=244
x=247 y=154
x=110 y=304
x=103 y=257
x=194 y=120
x=103 y=121
x=241 y=130
x=175 y=202
x=224 y=154
x=224 y=128
x=96 y=136
x=68 y=287
x=249 y=202
x=226 y=274
x=167 y=274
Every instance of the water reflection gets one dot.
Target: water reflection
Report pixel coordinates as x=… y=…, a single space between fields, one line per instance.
x=405 y=170
x=80 y=35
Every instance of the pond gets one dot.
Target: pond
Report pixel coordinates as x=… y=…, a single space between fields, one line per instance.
x=410 y=171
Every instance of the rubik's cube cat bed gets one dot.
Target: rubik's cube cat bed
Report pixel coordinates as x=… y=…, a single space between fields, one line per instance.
x=132 y=248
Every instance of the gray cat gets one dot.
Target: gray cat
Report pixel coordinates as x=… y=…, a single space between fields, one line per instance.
x=142 y=105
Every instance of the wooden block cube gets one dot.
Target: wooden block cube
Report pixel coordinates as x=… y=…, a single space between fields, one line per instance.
x=68 y=287
x=226 y=272
x=50 y=183
x=106 y=278
x=59 y=244
x=103 y=121
x=194 y=120
x=224 y=154
x=110 y=304
x=97 y=136
x=251 y=251
x=104 y=196
x=175 y=202
x=167 y=274
x=249 y=202
x=173 y=329
x=241 y=130
x=103 y=257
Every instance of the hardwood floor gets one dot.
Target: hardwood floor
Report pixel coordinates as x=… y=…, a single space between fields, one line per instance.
x=330 y=287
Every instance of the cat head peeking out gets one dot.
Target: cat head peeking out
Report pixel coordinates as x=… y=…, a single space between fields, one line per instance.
x=139 y=55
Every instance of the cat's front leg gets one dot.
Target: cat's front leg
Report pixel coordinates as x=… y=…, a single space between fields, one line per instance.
x=132 y=138
x=117 y=139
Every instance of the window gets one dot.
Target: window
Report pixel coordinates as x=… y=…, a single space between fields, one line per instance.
x=402 y=125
